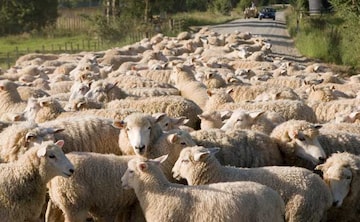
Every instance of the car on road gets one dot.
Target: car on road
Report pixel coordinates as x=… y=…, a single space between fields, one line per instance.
x=267 y=13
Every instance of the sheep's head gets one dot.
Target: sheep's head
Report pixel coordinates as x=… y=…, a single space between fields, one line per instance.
x=55 y=159
x=300 y=140
x=137 y=167
x=140 y=129
x=241 y=119
x=339 y=172
x=191 y=160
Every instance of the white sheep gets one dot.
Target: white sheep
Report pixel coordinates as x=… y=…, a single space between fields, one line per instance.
x=138 y=133
x=242 y=148
x=174 y=106
x=254 y=120
x=304 y=193
x=168 y=123
x=341 y=173
x=104 y=91
x=94 y=188
x=210 y=120
x=161 y=200
x=23 y=182
x=298 y=142
x=10 y=98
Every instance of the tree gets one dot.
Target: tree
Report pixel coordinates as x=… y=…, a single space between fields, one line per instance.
x=18 y=16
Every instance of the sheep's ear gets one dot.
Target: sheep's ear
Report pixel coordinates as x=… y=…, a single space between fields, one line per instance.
x=60 y=143
x=109 y=86
x=202 y=154
x=172 y=138
x=56 y=130
x=29 y=136
x=256 y=114
x=160 y=159
x=41 y=152
x=181 y=121
x=44 y=103
x=142 y=166
x=120 y=124
x=209 y=93
x=80 y=104
x=159 y=116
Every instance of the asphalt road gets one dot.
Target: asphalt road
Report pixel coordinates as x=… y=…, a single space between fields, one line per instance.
x=274 y=30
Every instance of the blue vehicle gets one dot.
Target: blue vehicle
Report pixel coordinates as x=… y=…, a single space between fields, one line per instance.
x=267 y=13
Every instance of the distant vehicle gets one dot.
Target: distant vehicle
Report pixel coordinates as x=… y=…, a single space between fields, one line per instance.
x=267 y=13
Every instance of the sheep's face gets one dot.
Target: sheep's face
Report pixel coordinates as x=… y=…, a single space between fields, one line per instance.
x=179 y=141
x=184 y=165
x=56 y=158
x=241 y=119
x=128 y=179
x=307 y=147
x=338 y=177
x=97 y=93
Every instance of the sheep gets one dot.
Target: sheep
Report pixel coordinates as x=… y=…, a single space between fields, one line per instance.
x=168 y=123
x=17 y=138
x=23 y=182
x=254 y=120
x=87 y=133
x=82 y=103
x=289 y=109
x=305 y=194
x=42 y=109
x=81 y=194
x=241 y=148
x=298 y=142
x=103 y=91
x=340 y=172
x=174 y=106
x=210 y=120
x=231 y=201
x=138 y=133
x=10 y=98
x=333 y=141
x=148 y=92
x=326 y=111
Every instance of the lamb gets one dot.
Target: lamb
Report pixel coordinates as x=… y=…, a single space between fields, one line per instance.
x=254 y=120
x=305 y=194
x=340 y=172
x=23 y=182
x=299 y=144
x=210 y=120
x=232 y=201
x=81 y=194
x=138 y=133
x=241 y=148
x=174 y=106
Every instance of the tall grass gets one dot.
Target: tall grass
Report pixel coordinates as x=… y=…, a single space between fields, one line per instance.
x=323 y=37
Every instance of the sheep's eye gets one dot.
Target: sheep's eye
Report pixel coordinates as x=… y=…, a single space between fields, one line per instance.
x=149 y=128
x=348 y=177
x=183 y=143
x=52 y=156
x=185 y=161
x=127 y=129
x=166 y=124
x=239 y=120
x=301 y=138
x=131 y=171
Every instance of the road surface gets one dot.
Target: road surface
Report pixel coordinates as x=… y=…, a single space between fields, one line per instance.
x=275 y=30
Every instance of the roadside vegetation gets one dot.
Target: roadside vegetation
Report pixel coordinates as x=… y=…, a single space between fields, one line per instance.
x=331 y=37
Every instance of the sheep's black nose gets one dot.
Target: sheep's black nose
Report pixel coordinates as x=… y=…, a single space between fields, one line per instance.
x=71 y=171
x=335 y=203
x=322 y=160
x=140 y=148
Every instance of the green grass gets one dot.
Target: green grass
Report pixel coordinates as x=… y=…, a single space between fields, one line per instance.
x=55 y=41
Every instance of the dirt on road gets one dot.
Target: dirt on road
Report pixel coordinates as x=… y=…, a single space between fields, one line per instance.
x=274 y=30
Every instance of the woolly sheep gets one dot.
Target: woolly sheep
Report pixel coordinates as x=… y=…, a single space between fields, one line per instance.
x=87 y=133
x=10 y=98
x=174 y=106
x=210 y=120
x=341 y=173
x=42 y=109
x=81 y=194
x=148 y=92
x=23 y=182
x=298 y=142
x=333 y=141
x=326 y=111
x=242 y=148
x=232 y=201
x=254 y=120
x=138 y=133
x=103 y=91
x=304 y=193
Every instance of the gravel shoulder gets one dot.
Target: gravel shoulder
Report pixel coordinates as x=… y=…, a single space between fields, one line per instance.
x=274 y=30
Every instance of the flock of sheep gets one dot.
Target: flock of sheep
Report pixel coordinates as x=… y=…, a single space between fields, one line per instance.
x=198 y=127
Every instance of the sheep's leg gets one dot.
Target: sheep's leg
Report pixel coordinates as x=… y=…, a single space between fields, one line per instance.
x=53 y=213
x=78 y=216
